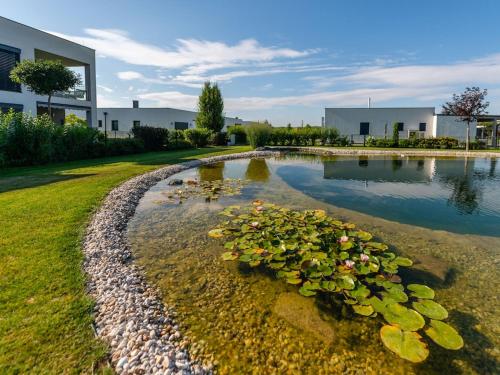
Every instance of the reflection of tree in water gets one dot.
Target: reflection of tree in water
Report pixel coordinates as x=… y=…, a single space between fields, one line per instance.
x=467 y=188
x=257 y=170
x=211 y=172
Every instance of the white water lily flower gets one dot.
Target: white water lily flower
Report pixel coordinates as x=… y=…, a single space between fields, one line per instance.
x=349 y=263
x=344 y=239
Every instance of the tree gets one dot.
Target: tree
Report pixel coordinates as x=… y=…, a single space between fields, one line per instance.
x=468 y=105
x=395 y=134
x=45 y=77
x=210 y=108
x=73 y=120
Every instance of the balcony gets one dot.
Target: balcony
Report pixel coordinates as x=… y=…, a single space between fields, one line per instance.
x=80 y=92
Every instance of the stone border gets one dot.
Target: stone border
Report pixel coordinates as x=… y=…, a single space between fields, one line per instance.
x=406 y=152
x=129 y=316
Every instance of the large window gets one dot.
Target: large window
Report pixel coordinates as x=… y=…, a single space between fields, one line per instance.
x=6 y=107
x=99 y=122
x=136 y=123
x=181 y=125
x=401 y=126
x=114 y=124
x=364 y=128
x=422 y=126
x=9 y=57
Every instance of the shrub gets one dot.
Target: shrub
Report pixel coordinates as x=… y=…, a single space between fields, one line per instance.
x=218 y=139
x=258 y=135
x=198 y=137
x=176 y=140
x=154 y=139
x=239 y=132
x=124 y=146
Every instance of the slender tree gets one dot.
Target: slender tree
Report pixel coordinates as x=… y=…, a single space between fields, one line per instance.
x=45 y=77
x=210 y=108
x=469 y=105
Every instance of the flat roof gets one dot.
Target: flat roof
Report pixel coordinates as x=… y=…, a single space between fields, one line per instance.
x=433 y=108
x=45 y=32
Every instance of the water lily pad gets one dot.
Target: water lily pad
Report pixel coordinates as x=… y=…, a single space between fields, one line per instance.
x=430 y=309
x=229 y=256
x=407 y=345
x=306 y=292
x=404 y=262
x=346 y=245
x=345 y=282
x=377 y=246
x=216 y=233
x=406 y=319
x=396 y=295
x=364 y=236
x=444 y=335
x=363 y=310
x=420 y=291
x=293 y=281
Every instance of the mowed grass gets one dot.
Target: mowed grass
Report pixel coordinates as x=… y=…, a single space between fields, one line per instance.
x=45 y=314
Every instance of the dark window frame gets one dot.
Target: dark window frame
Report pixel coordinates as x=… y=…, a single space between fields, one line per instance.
x=181 y=125
x=364 y=128
x=6 y=107
x=114 y=125
x=136 y=122
x=422 y=127
x=99 y=123
x=401 y=126
x=6 y=84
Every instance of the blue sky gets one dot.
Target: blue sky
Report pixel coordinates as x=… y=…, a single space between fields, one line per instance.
x=281 y=60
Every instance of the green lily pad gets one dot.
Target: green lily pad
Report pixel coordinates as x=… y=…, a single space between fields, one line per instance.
x=404 y=262
x=293 y=281
x=216 y=233
x=421 y=291
x=345 y=282
x=406 y=319
x=377 y=246
x=306 y=292
x=229 y=255
x=364 y=236
x=430 y=309
x=363 y=310
x=444 y=335
x=407 y=345
x=396 y=295
x=346 y=245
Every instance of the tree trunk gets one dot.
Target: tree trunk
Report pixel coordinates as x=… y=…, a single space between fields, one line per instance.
x=467 y=138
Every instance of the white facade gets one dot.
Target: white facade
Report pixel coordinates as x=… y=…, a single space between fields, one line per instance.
x=123 y=119
x=355 y=123
x=19 y=42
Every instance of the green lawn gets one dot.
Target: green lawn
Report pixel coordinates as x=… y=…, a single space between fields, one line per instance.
x=44 y=311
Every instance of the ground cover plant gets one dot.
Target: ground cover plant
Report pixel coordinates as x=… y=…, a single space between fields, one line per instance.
x=323 y=255
x=45 y=315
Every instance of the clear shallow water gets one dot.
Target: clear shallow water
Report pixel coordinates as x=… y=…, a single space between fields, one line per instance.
x=248 y=321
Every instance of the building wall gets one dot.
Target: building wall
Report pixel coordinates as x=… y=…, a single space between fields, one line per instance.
x=156 y=117
x=452 y=126
x=28 y=39
x=347 y=120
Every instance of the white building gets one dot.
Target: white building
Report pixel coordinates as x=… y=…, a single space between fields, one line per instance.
x=356 y=123
x=19 y=42
x=118 y=122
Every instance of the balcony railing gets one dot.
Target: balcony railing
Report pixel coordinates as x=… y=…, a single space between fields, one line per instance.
x=78 y=93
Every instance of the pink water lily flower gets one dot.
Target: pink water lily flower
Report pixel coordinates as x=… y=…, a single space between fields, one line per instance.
x=259 y=208
x=344 y=239
x=364 y=258
x=349 y=264
x=254 y=224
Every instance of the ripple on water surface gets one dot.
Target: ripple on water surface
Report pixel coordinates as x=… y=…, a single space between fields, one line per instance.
x=247 y=322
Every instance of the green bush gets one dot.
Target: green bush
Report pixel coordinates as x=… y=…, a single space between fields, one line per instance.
x=258 y=135
x=395 y=134
x=239 y=132
x=154 y=139
x=124 y=146
x=218 y=139
x=198 y=137
x=177 y=140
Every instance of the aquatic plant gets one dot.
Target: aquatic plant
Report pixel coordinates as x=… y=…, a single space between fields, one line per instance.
x=320 y=254
x=210 y=190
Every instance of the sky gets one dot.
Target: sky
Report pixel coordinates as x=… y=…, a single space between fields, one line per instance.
x=283 y=61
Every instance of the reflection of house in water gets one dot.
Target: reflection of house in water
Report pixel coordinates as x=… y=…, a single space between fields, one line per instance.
x=380 y=169
x=257 y=170
x=211 y=172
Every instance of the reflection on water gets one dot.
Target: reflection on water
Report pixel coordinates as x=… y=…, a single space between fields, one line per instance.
x=251 y=323
x=461 y=194
x=211 y=172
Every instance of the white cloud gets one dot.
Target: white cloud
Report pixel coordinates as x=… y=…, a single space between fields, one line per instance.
x=129 y=75
x=105 y=88
x=106 y=102
x=187 y=52
x=174 y=99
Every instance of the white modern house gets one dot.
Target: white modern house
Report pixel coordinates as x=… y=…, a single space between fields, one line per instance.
x=118 y=122
x=19 y=42
x=357 y=123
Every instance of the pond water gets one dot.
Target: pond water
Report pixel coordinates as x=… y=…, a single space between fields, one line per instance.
x=444 y=213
